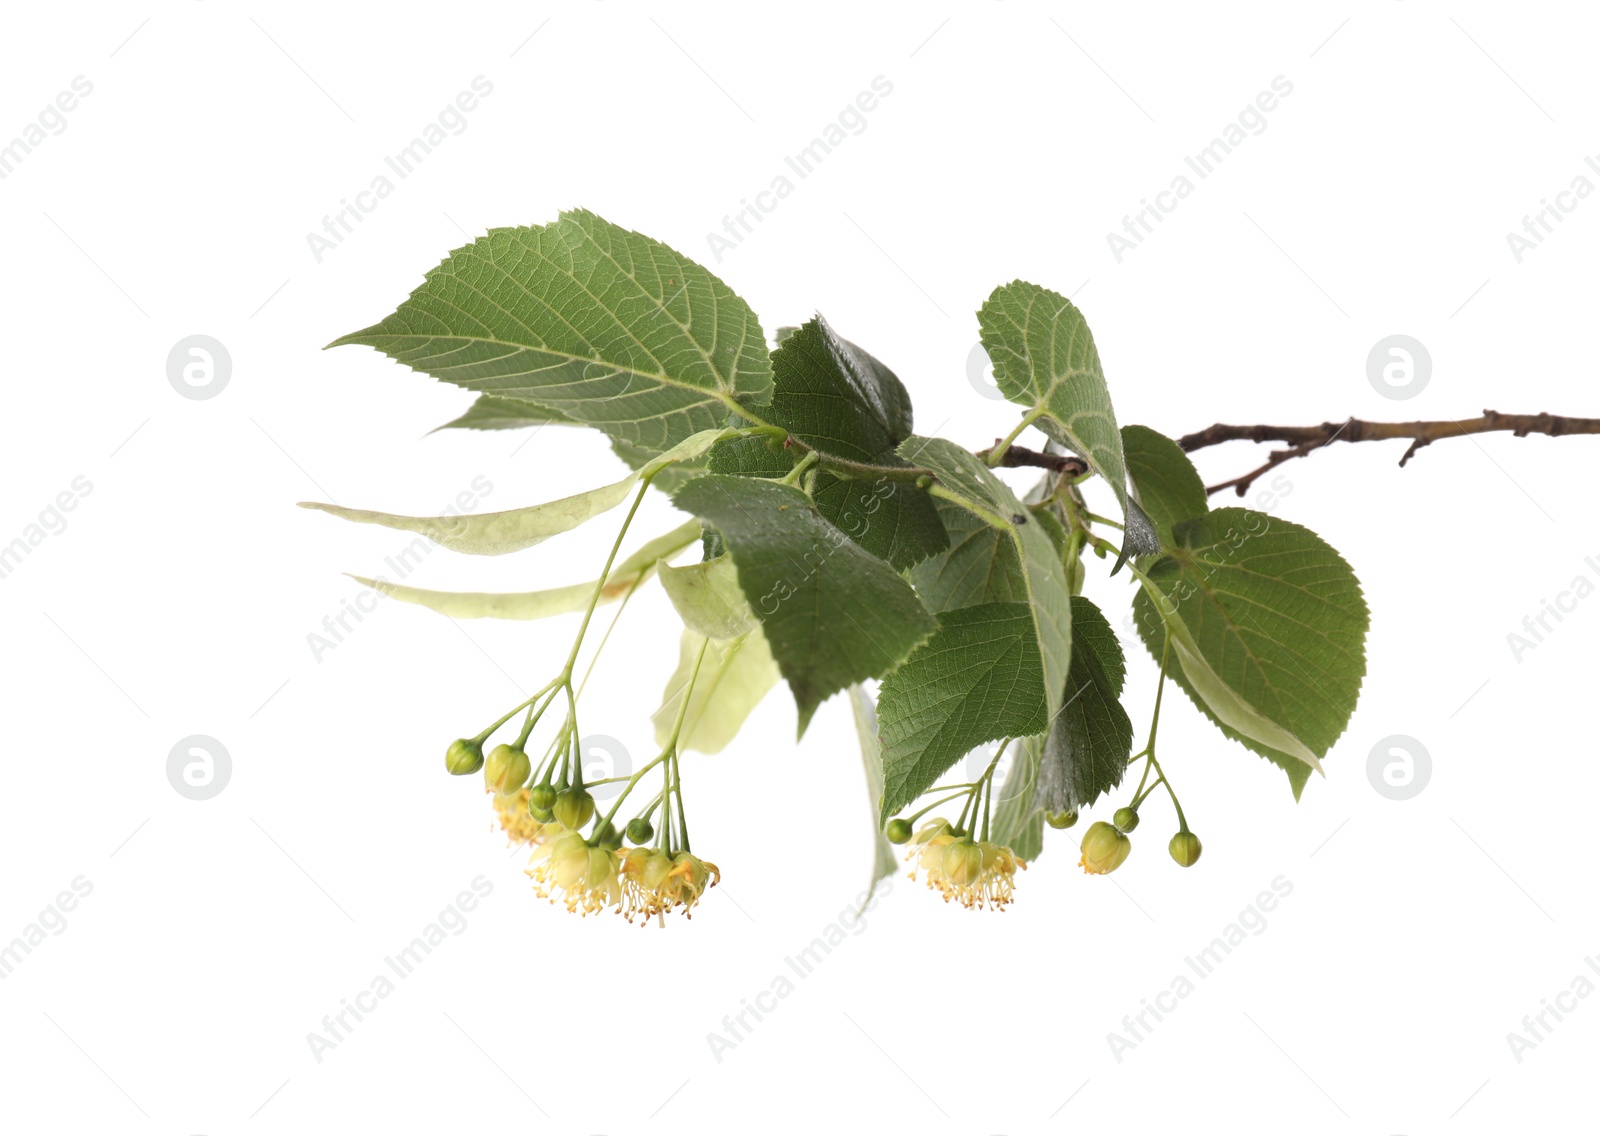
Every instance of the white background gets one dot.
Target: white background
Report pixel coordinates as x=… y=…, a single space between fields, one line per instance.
x=179 y=597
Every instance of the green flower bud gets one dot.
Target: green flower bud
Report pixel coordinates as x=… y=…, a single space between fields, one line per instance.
x=1062 y=820
x=543 y=816
x=574 y=808
x=1104 y=849
x=640 y=830
x=899 y=830
x=541 y=797
x=506 y=769
x=1184 y=848
x=608 y=837
x=464 y=756
x=1125 y=819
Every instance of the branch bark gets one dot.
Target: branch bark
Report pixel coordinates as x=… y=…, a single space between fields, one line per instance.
x=1303 y=440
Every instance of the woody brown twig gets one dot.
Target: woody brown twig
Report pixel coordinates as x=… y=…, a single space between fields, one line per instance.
x=1303 y=440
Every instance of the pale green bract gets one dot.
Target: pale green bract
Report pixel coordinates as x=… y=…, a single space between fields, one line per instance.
x=624 y=578
x=734 y=677
x=708 y=598
x=883 y=854
x=494 y=534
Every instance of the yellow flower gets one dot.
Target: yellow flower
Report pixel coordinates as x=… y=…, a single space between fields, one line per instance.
x=1104 y=849
x=567 y=864
x=976 y=873
x=518 y=823
x=653 y=883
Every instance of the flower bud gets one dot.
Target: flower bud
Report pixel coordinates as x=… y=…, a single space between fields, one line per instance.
x=464 y=756
x=506 y=769
x=1104 y=849
x=1125 y=818
x=543 y=816
x=608 y=837
x=640 y=830
x=541 y=797
x=962 y=863
x=899 y=830
x=1062 y=820
x=1184 y=848
x=574 y=808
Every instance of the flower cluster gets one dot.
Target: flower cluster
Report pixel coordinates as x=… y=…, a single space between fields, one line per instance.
x=975 y=873
x=654 y=882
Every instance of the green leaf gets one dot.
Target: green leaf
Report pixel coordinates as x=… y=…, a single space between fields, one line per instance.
x=1086 y=751
x=883 y=853
x=624 y=577
x=1045 y=359
x=840 y=401
x=734 y=677
x=488 y=412
x=980 y=678
x=708 y=598
x=1268 y=629
x=833 y=613
x=1169 y=488
x=1018 y=823
x=596 y=323
x=893 y=520
x=980 y=566
x=1044 y=582
x=494 y=534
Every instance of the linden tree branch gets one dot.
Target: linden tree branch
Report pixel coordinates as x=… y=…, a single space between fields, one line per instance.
x=1303 y=440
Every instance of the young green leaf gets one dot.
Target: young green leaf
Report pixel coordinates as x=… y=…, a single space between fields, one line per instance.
x=1169 y=488
x=980 y=678
x=833 y=613
x=1086 y=751
x=883 y=856
x=840 y=401
x=708 y=598
x=1043 y=579
x=624 y=577
x=494 y=534
x=734 y=677
x=1267 y=627
x=1045 y=359
x=596 y=323
x=980 y=566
